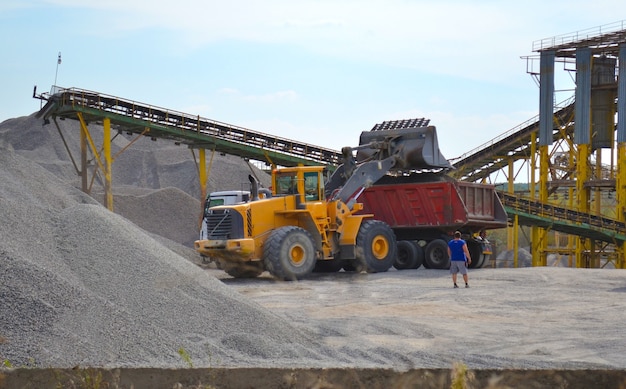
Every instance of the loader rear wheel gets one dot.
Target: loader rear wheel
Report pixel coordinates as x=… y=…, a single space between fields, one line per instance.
x=289 y=253
x=437 y=254
x=375 y=247
x=243 y=270
x=407 y=255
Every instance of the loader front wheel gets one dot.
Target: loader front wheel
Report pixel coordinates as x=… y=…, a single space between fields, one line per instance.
x=375 y=247
x=289 y=254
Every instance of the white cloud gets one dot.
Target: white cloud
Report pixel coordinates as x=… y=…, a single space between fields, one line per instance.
x=477 y=39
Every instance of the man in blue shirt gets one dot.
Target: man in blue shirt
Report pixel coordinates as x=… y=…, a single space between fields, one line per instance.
x=459 y=258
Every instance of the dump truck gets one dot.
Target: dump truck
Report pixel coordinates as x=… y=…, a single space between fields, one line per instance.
x=311 y=224
x=425 y=209
x=424 y=206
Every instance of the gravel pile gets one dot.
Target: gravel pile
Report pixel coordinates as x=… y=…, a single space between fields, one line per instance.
x=139 y=173
x=85 y=286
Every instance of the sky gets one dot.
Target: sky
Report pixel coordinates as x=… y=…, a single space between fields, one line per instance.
x=315 y=71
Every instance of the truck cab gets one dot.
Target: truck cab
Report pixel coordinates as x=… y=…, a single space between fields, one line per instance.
x=226 y=197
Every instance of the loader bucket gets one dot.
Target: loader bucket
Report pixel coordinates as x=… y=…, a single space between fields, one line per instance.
x=414 y=148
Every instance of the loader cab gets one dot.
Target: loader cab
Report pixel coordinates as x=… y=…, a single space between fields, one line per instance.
x=306 y=181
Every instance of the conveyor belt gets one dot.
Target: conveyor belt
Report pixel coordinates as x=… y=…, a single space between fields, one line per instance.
x=195 y=131
x=494 y=155
x=535 y=213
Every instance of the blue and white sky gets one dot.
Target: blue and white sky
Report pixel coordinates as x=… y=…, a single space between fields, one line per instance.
x=315 y=71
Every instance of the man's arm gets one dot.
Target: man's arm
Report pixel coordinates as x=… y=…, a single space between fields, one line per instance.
x=467 y=254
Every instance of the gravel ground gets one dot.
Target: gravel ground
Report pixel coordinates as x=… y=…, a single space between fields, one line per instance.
x=85 y=286
x=525 y=318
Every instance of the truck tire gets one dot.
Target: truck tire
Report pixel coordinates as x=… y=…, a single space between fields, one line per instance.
x=289 y=254
x=476 y=253
x=420 y=256
x=375 y=247
x=407 y=255
x=482 y=260
x=243 y=270
x=436 y=255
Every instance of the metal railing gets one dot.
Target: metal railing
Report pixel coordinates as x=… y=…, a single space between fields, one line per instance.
x=80 y=98
x=565 y=103
x=538 y=208
x=572 y=37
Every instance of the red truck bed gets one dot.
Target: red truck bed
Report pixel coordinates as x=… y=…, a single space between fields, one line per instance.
x=433 y=201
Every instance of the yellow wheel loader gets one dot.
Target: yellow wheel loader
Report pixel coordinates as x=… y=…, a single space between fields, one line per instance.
x=307 y=224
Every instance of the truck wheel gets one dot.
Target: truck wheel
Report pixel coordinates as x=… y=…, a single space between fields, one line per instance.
x=476 y=252
x=483 y=259
x=375 y=246
x=289 y=254
x=244 y=270
x=407 y=255
x=420 y=256
x=437 y=254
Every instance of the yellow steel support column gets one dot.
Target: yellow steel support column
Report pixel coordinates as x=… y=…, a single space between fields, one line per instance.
x=582 y=194
x=106 y=148
x=202 y=175
x=510 y=231
x=83 y=162
x=515 y=240
x=97 y=158
x=534 y=232
x=571 y=193
x=620 y=192
x=533 y=163
x=539 y=241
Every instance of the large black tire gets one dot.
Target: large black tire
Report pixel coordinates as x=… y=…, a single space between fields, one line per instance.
x=289 y=254
x=420 y=256
x=436 y=255
x=483 y=259
x=476 y=252
x=376 y=248
x=349 y=266
x=407 y=255
x=328 y=266
x=243 y=270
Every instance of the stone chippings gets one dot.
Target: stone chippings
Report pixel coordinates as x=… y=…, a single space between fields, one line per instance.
x=84 y=286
